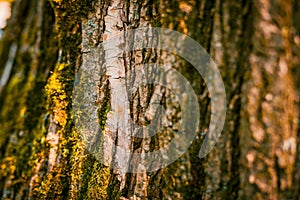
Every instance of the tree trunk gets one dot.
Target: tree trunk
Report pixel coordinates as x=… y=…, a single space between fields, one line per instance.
x=48 y=152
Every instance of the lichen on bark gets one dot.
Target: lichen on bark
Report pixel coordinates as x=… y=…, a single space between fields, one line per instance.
x=256 y=47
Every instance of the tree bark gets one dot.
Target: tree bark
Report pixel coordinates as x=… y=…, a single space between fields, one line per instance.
x=255 y=45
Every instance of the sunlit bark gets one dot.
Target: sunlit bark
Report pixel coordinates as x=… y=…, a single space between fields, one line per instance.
x=256 y=47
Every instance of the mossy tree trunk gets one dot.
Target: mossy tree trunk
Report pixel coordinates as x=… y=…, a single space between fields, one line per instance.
x=256 y=47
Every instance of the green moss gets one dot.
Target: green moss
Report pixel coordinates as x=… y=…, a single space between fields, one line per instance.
x=20 y=130
x=28 y=105
x=113 y=189
x=71 y=177
x=104 y=108
x=156 y=23
x=77 y=176
x=58 y=92
x=97 y=185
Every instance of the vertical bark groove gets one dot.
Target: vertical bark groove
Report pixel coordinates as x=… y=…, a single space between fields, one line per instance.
x=255 y=44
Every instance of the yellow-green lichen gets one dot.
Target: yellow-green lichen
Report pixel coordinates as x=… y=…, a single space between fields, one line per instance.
x=56 y=89
x=97 y=186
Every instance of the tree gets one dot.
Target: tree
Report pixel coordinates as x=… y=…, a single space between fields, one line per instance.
x=256 y=47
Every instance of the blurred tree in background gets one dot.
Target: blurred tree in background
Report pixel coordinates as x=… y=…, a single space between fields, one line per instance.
x=255 y=44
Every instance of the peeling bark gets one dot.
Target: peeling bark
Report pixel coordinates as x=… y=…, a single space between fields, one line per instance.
x=43 y=156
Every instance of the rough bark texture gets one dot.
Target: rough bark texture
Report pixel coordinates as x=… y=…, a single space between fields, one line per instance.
x=256 y=45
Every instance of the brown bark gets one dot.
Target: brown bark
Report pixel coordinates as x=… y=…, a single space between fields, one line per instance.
x=255 y=44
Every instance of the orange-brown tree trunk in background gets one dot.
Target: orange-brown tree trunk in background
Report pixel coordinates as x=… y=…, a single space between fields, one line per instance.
x=255 y=44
